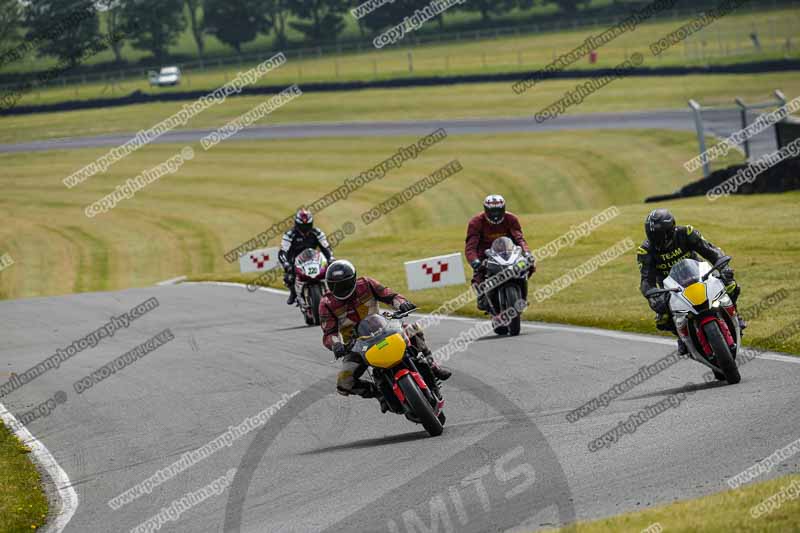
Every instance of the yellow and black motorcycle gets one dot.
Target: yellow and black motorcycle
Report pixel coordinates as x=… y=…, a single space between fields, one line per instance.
x=408 y=388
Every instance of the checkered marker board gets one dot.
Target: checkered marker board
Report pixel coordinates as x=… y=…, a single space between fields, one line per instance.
x=435 y=272
x=259 y=260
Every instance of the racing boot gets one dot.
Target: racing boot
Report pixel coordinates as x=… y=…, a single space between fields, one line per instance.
x=441 y=373
x=483 y=303
x=366 y=389
x=742 y=323
x=682 y=348
x=438 y=371
x=292 y=296
x=384 y=404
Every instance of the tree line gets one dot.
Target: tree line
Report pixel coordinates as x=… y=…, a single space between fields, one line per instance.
x=156 y=25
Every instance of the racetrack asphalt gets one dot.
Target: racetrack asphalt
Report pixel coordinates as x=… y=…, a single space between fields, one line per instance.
x=508 y=459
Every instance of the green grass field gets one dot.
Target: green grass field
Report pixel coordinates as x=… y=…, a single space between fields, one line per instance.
x=425 y=103
x=184 y=223
x=23 y=505
x=725 y=512
x=724 y=42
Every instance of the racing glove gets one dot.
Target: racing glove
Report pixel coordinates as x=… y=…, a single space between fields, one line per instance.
x=659 y=304
x=339 y=350
x=531 y=261
x=406 y=306
x=727 y=275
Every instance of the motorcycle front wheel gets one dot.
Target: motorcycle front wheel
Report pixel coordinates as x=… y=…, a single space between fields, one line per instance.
x=722 y=352
x=420 y=406
x=508 y=299
x=314 y=297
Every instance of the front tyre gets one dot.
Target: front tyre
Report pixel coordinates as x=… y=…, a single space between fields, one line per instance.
x=508 y=300
x=314 y=297
x=722 y=352
x=420 y=406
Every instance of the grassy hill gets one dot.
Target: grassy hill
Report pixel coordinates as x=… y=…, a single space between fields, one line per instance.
x=184 y=223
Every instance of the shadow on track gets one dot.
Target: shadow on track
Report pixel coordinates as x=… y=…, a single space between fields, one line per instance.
x=292 y=328
x=688 y=389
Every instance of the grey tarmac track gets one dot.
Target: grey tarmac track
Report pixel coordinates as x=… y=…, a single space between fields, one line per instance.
x=678 y=120
x=327 y=463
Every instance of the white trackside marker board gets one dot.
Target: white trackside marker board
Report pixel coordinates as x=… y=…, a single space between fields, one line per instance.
x=259 y=260
x=434 y=272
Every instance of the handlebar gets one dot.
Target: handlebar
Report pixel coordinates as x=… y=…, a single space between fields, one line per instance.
x=399 y=314
x=656 y=292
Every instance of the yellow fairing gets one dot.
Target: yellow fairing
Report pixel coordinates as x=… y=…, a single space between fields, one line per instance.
x=696 y=293
x=388 y=353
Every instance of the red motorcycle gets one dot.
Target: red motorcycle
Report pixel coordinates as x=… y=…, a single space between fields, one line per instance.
x=309 y=283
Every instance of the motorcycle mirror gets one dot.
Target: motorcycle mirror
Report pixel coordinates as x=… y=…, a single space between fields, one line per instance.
x=722 y=263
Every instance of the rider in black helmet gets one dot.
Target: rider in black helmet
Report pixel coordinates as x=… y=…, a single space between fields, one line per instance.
x=666 y=245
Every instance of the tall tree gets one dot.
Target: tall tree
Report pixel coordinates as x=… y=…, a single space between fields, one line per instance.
x=234 y=22
x=321 y=20
x=114 y=25
x=570 y=7
x=10 y=23
x=278 y=12
x=193 y=6
x=158 y=24
x=488 y=8
x=64 y=29
x=392 y=14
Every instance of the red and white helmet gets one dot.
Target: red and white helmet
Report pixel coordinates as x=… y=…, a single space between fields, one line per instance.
x=494 y=207
x=304 y=220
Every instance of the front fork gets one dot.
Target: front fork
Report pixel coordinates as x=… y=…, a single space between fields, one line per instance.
x=494 y=295
x=726 y=318
x=434 y=397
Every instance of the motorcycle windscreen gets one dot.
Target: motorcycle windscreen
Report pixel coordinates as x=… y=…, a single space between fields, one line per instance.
x=387 y=353
x=686 y=272
x=372 y=326
x=309 y=254
x=503 y=247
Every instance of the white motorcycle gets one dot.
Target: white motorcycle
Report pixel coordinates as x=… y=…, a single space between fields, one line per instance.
x=507 y=274
x=704 y=315
x=309 y=275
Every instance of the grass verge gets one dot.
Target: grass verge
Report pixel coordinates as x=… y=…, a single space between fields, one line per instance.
x=722 y=513
x=23 y=504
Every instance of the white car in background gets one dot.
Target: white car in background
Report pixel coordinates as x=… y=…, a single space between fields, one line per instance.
x=166 y=77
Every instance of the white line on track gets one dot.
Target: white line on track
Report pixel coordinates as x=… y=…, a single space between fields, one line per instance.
x=580 y=330
x=42 y=456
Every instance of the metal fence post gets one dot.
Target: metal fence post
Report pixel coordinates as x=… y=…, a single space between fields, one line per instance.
x=743 y=114
x=701 y=135
x=782 y=99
